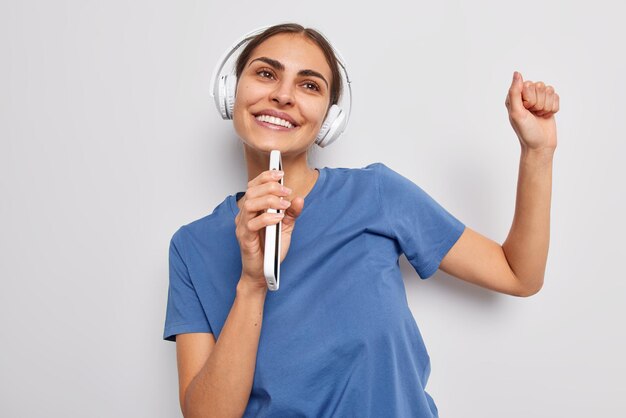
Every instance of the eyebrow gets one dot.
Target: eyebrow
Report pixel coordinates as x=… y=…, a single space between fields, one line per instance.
x=279 y=66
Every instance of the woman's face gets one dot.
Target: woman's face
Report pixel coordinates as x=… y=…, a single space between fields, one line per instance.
x=282 y=95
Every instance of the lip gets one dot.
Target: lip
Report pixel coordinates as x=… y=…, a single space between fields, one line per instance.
x=273 y=127
x=276 y=113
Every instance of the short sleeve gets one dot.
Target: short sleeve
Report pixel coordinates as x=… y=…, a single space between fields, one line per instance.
x=184 y=311
x=424 y=230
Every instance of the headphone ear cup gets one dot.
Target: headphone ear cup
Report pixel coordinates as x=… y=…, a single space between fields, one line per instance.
x=230 y=88
x=332 y=127
x=225 y=98
x=220 y=97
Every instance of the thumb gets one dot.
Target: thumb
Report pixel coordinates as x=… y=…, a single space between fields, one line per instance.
x=293 y=211
x=514 y=98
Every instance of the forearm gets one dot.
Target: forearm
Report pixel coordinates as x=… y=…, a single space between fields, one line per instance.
x=222 y=387
x=526 y=246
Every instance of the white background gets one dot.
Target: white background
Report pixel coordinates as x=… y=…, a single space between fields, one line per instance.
x=109 y=142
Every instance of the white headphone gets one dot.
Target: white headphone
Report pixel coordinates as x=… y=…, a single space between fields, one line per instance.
x=224 y=86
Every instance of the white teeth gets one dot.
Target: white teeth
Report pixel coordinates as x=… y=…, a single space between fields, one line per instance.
x=274 y=120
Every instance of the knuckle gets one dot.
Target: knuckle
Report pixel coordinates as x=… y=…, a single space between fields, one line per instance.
x=269 y=176
x=276 y=188
x=247 y=206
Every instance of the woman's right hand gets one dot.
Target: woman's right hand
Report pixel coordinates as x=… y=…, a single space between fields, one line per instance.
x=263 y=192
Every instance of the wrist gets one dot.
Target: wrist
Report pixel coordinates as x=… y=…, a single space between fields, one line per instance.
x=545 y=155
x=248 y=287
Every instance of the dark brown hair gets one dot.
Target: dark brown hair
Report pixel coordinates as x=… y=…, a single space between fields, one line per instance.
x=315 y=36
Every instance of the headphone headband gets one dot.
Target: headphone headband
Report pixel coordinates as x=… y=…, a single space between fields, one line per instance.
x=223 y=89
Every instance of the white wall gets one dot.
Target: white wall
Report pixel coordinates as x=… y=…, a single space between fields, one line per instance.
x=109 y=142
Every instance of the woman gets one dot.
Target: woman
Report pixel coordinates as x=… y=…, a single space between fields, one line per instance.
x=338 y=338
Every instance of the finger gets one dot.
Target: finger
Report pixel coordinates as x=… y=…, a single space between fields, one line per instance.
x=266 y=202
x=547 y=107
x=244 y=215
x=540 y=88
x=549 y=97
x=270 y=188
x=514 y=97
x=251 y=207
x=261 y=221
x=543 y=114
x=529 y=96
x=266 y=176
x=297 y=204
x=555 y=105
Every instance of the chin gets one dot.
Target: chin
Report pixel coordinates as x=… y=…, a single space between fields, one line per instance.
x=265 y=140
x=264 y=145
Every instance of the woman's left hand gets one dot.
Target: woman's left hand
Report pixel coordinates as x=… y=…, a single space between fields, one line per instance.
x=531 y=108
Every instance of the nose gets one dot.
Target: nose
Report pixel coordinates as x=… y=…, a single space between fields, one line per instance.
x=283 y=93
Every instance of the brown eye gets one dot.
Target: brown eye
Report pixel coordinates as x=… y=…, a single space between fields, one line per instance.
x=265 y=73
x=311 y=86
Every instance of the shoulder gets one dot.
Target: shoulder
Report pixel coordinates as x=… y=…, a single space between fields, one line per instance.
x=367 y=172
x=352 y=181
x=376 y=177
x=382 y=170
x=388 y=179
x=374 y=170
x=220 y=219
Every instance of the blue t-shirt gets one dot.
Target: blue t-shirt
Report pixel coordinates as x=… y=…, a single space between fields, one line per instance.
x=338 y=338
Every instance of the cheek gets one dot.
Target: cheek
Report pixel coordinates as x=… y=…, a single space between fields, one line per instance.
x=242 y=101
x=239 y=120
x=240 y=97
x=246 y=93
x=317 y=114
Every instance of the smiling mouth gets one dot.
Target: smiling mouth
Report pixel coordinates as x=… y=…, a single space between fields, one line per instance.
x=273 y=120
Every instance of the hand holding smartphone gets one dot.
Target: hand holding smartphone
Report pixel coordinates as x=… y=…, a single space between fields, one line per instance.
x=271 y=262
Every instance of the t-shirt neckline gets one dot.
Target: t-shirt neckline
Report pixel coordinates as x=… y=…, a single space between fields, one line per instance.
x=308 y=200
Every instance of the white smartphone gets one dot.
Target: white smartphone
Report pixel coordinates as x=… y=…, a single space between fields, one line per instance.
x=271 y=264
